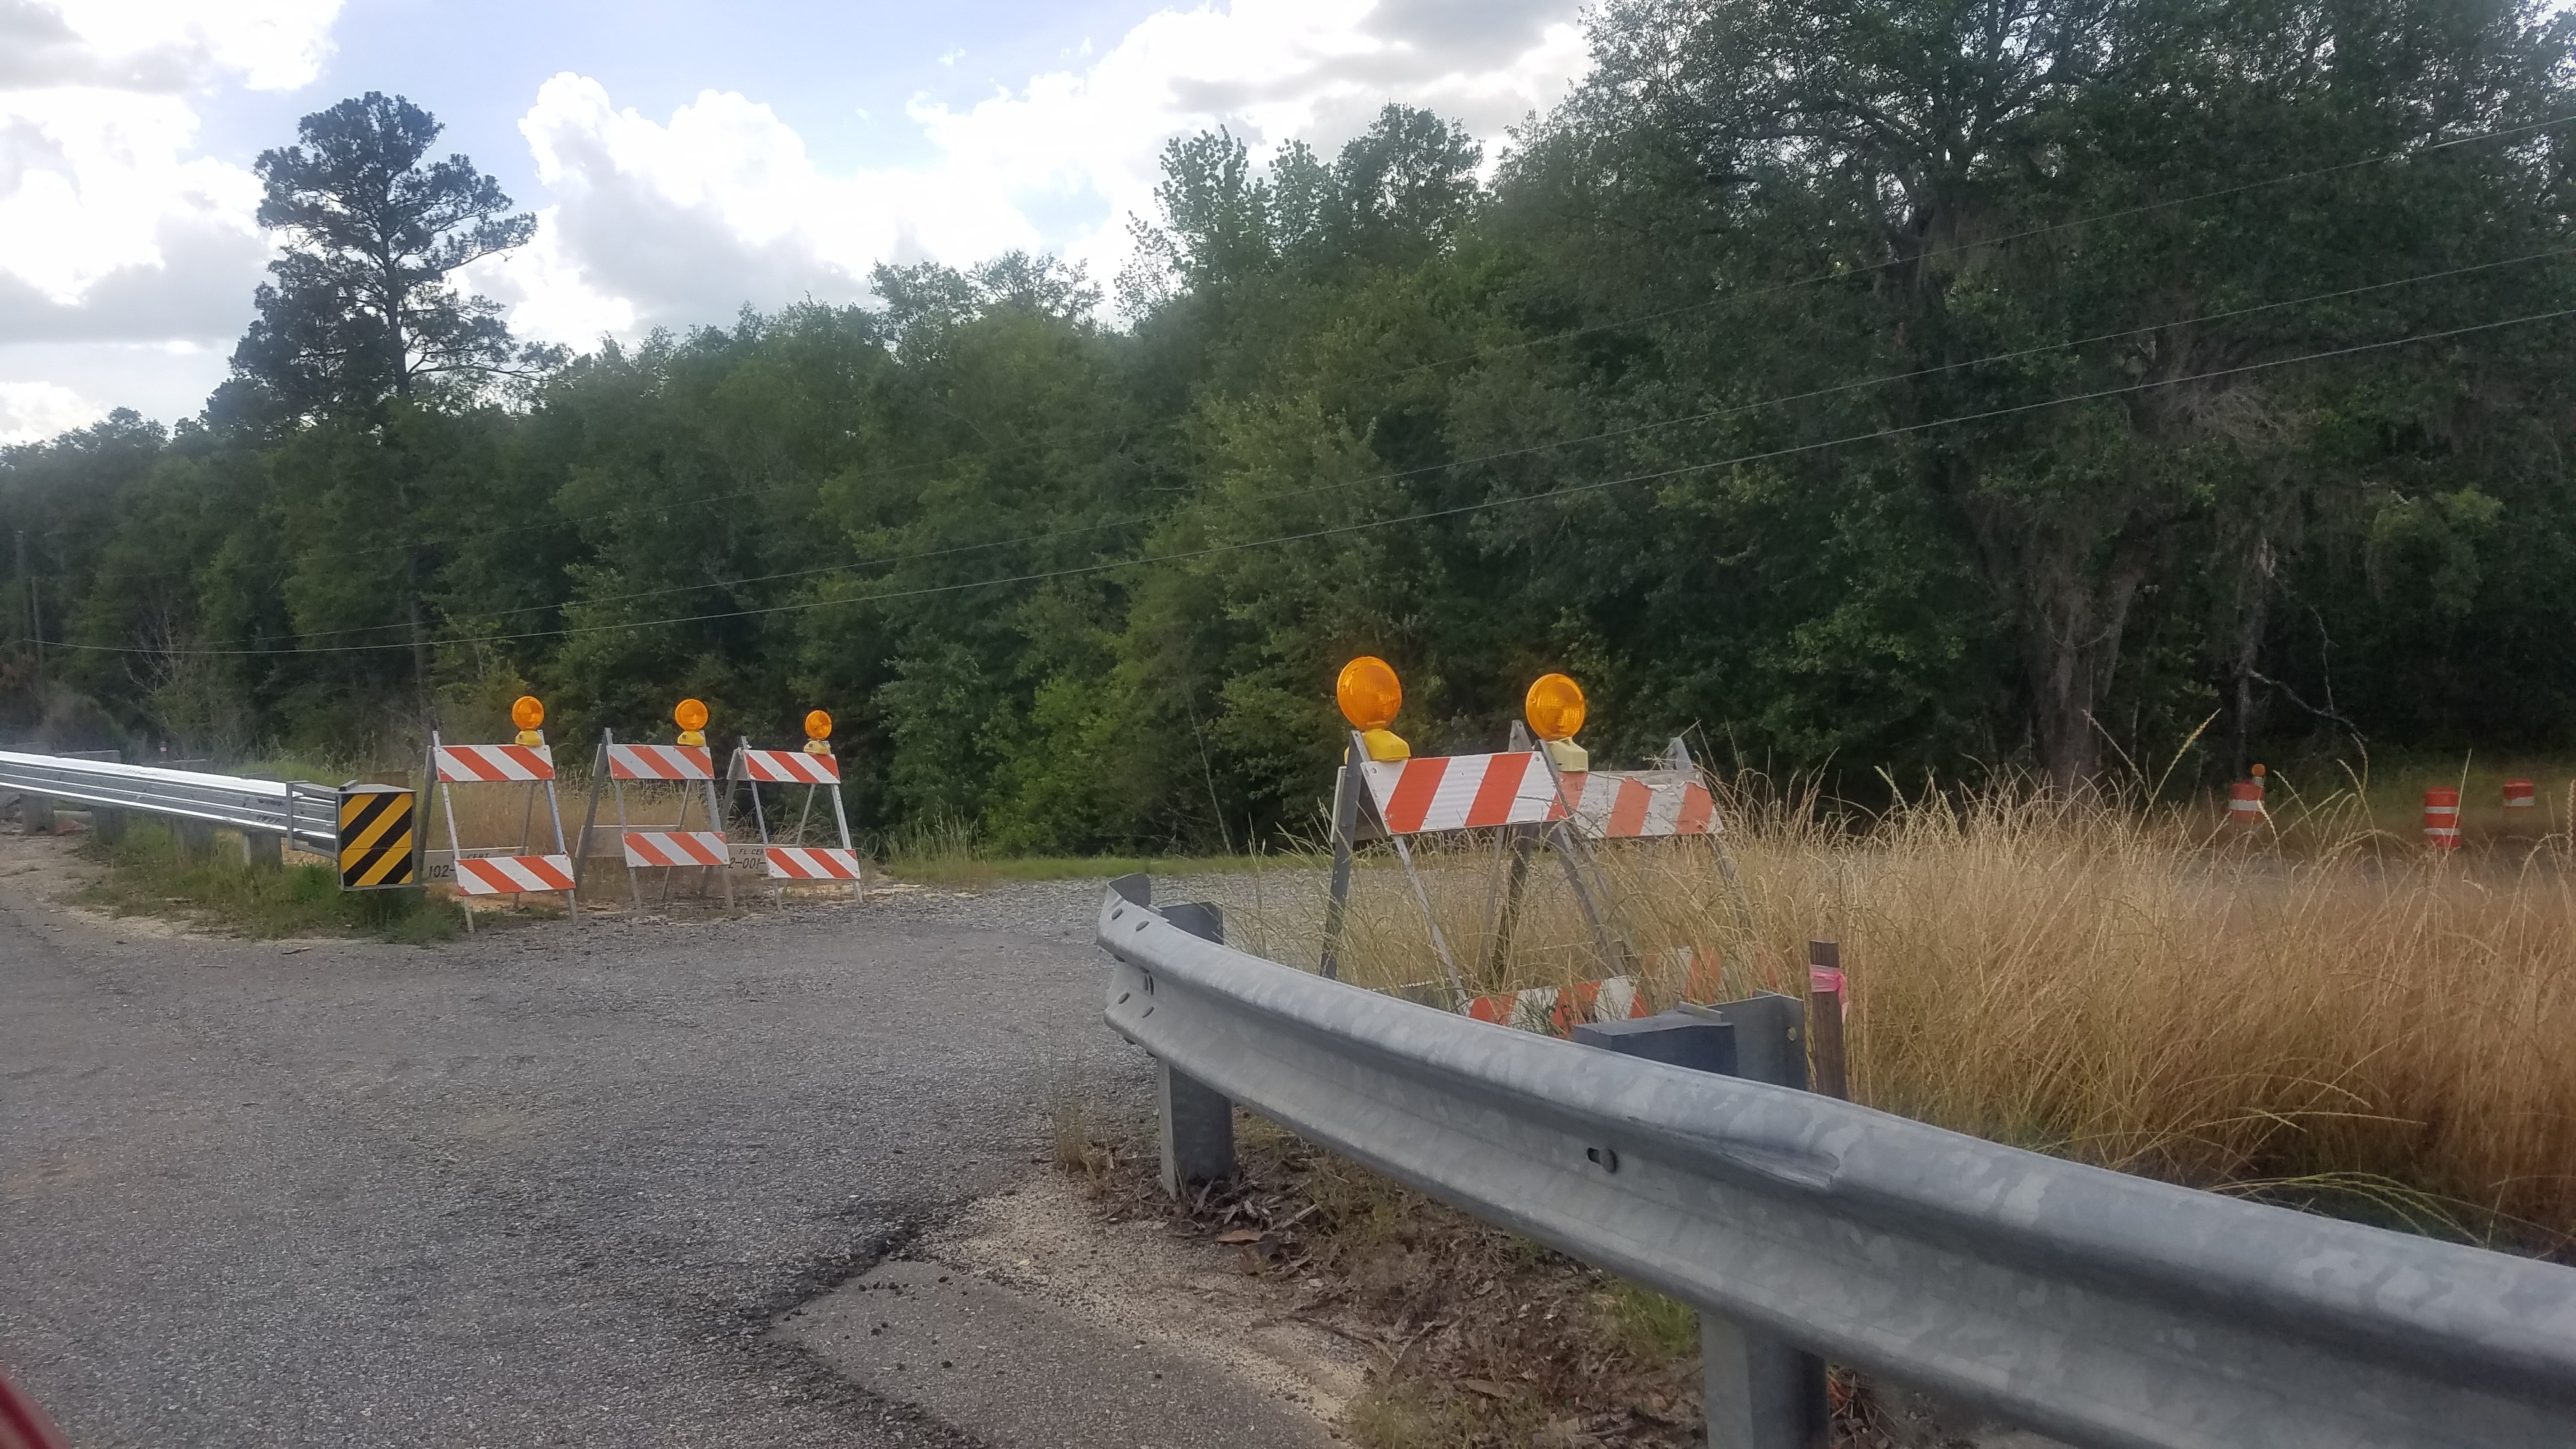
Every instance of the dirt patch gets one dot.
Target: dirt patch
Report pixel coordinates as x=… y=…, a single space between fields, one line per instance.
x=1414 y=1325
x=1158 y=1279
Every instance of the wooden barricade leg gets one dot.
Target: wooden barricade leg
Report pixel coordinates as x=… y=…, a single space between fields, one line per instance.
x=617 y=788
x=455 y=848
x=1518 y=843
x=841 y=818
x=554 y=813
x=598 y=772
x=716 y=823
x=1570 y=851
x=739 y=773
x=1346 y=822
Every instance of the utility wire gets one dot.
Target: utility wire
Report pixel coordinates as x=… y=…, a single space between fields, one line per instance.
x=1502 y=349
x=1480 y=506
x=2140 y=209
x=1630 y=430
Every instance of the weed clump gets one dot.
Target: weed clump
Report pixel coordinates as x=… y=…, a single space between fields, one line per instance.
x=2321 y=1013
x=145 y=874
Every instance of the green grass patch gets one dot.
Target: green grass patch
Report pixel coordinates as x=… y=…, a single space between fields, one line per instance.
x=1647 y=1326
x=146 y=876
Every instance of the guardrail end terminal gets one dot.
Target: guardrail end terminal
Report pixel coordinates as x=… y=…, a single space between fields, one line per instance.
x=1137 y=889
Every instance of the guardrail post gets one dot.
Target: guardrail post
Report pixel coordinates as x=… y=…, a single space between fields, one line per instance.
x=263 y=849
x=36 y=814
x=194 y=838
x=1197 y=1121
x=1762 y=1393
x=109 y=824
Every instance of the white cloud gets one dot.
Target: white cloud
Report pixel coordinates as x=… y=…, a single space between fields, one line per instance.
x=112 y=233
x=33 y=411
x=117 y=239
x=677 y=222
x=97 y=117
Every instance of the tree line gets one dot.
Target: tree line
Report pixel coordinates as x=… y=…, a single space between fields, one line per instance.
x=1919 y=386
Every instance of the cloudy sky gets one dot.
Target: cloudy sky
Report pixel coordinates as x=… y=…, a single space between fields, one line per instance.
x=684 y=158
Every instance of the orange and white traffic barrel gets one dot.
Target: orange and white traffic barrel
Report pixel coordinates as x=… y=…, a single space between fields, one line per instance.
x=2518 y=795
x=2245 y=802
x=2442 y=817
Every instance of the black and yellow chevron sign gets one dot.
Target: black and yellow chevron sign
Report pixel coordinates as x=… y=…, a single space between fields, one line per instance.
x=375 y=837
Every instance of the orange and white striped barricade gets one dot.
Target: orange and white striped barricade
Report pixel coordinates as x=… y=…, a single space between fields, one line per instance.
x=677 y=847
x=1668 y=801
x=503 y=870
x=818 y=772
x=2442 y=817
x=1639 y=804
x=1558 y=1010
x=2521 y=802
x=2245 y=802
x=1442 y=793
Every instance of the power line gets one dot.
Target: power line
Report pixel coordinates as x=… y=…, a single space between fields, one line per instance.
x=1483 y=505
x=1502 y=349
x=1733 y=409
x=2140 y=209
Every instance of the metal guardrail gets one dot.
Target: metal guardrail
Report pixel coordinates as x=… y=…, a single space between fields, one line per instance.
x=298 y=812
x=2098 y=1308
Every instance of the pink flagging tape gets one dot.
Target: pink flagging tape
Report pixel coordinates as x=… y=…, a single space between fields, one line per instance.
x=660 y=762
x=486 y=764
x=1639 y=804
x=790 y=767
x=1556 y=1011
x=504 y=875
x=1825 y=978
x=1461 y=792
x=675 y=847
x=799 y=862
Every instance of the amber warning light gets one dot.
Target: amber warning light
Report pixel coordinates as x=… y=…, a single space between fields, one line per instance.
x=1554 y=707
x=1371 y=696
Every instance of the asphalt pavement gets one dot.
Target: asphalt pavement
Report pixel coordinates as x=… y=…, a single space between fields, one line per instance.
x=549 y=1185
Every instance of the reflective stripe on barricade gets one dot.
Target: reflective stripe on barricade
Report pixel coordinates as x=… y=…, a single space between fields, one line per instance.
x=811 y=862
x=660 y=762
x=490 y=764
x=675 y=847
x=1640 y=804
x=1557 y=1011
x=1461 y=792
x=502 y=875
x=2442 y=817
x=790 y=767
x=2245 y=803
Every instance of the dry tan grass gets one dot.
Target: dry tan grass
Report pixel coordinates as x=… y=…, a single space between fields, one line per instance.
x=2326 y=1014
x=493 y=816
